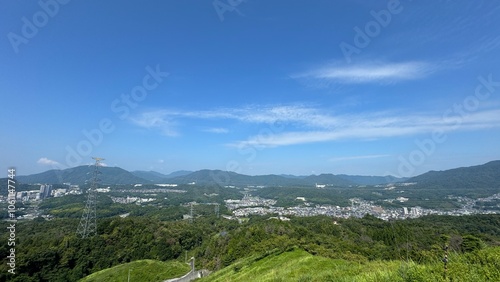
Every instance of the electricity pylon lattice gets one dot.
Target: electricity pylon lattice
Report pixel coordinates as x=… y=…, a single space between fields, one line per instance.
x=216 y=210
x=191 y=213
x=88 y=222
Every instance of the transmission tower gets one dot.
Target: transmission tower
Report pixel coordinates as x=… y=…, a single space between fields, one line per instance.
x=217 y=210
x=88 y=224
x=191 y=214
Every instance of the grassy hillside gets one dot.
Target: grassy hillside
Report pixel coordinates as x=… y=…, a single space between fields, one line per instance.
x=356 y=248
x=140 y=270
x=298 y=265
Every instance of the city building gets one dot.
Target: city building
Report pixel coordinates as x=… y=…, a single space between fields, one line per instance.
x=45 y=191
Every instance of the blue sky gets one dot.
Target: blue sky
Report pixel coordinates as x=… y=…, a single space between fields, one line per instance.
x=256 y=87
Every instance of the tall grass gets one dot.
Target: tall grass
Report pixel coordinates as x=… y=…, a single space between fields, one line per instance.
x=298 y=265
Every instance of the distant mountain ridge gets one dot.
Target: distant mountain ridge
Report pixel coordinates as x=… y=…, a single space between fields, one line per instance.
x=152 y=176
x=115 y=175
x=482 y=176
x=83 y=174
x=158 y=177
x=223 y=178
x=371 y=180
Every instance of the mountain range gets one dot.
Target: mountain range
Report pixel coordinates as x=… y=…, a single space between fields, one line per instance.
x=473 y=177
x=485 y=176
x=157 y=177
x=81 y=175
x=115 y=175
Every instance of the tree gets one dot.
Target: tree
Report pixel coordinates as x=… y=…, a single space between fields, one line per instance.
x=471 y=243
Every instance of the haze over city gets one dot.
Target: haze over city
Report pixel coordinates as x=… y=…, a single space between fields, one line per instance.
x=259 y=87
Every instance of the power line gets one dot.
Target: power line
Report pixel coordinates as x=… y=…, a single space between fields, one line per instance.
x=191 y=213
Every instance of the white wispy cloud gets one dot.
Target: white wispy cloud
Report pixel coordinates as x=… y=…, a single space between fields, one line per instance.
x=46 y=161
x=156 y=120
x=369 y=72
x=376 y=126
x=218 y=130
x=302 y=124
x=167 y=120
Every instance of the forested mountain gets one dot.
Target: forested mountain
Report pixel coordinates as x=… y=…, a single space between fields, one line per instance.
x=81 y=175
x=157 y=177
x=328 y=179
x=232 y=178
x=50 y=250
x=178 y=173
x=152 y=176
x=116 y=175
x=371 y=180
x=481 y=176
x=486 y=176
x=223 y=178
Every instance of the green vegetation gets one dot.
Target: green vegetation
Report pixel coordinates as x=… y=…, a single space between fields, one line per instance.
x=359 y=240
x=140 y=271
x=81 y=175
x=19 y=187
x=50 y=250
x=435 y=198
x=479 y=177
x=286 y=196
x=166 y=206
x=298 y=265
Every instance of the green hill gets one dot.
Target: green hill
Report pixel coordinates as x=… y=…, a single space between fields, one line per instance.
x=371 y=180
x=83 y=174
x=223 y=178
x=298 y=265
x=485 y=176
x=157 y=177
x=152 y=176
x=140 y=271
x=355 y=249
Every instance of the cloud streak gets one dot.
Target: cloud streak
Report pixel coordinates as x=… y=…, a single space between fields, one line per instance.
x=46 y=161
x=300 y=124
x=217 y=130
x=158 y=120
x=369 y=127
x=369 y=72
x=166 y=120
